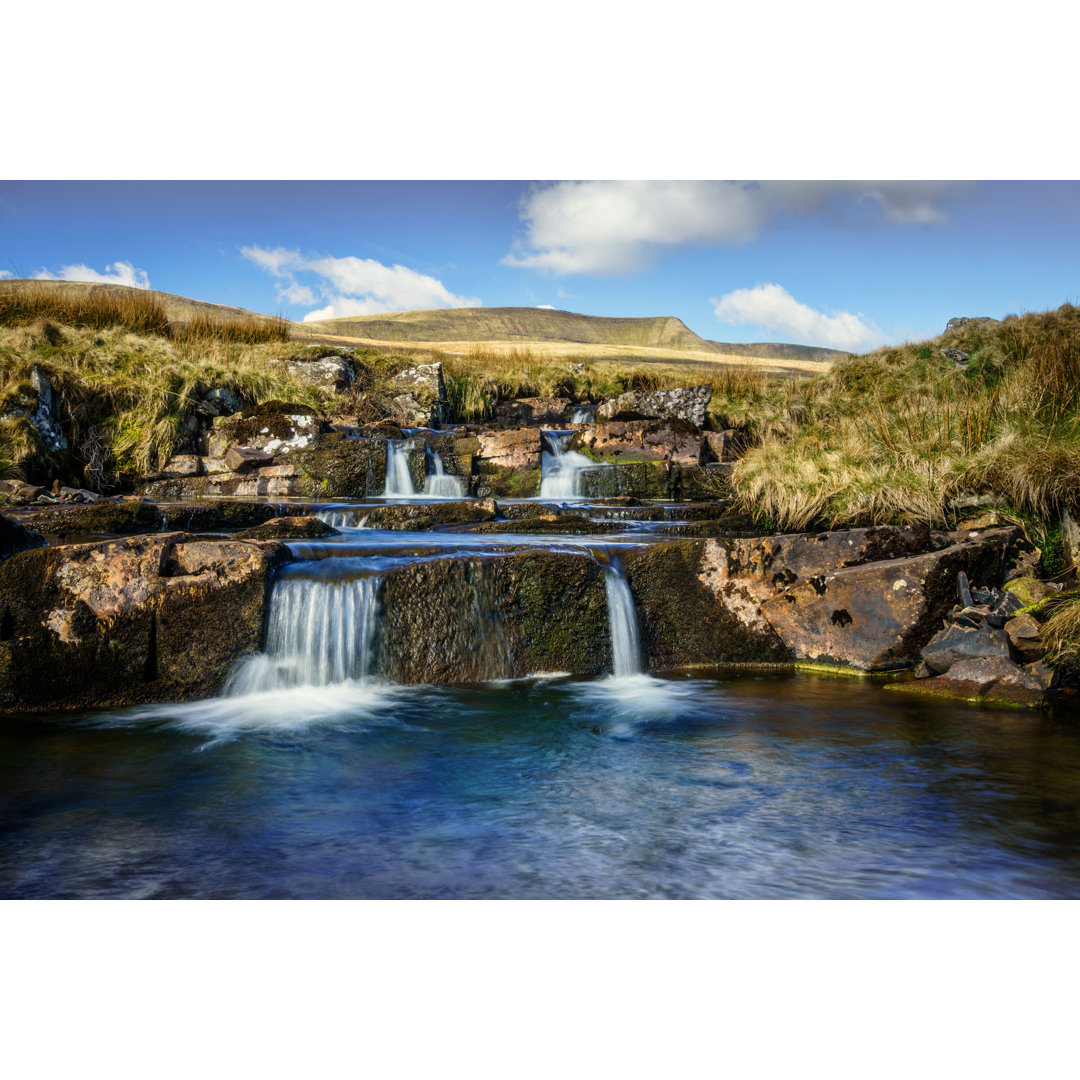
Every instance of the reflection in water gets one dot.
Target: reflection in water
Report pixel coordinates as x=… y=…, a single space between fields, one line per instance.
x=556 y=787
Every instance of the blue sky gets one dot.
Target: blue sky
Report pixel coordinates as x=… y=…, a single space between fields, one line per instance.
x=843 y=264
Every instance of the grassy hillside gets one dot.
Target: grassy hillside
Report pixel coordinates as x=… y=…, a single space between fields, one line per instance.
x=516 y=324
x=776 y=350
x=178 y=310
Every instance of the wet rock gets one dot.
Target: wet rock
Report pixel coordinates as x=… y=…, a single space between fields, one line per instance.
x=107 y=517
x=553 y=524
x=339 y=467
x=535 y=411
x=878 y=616
x=639 y=440
x=995 y=680
x=638 y=479
x=15 y=538
x=1025 y=636
x=149 y=618
x=462 y=620
x=688 y=612
x=428 y=515
x=955 y=644
x=227 y=514
x=290 y=528
x=683 y=403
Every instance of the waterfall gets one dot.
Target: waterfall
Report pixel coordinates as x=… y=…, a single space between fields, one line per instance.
x=560 y=468
x=319 y=632
x=583 y=414
x=399 y=483
x=437 y=483
x=343 y=519
x=622 y=620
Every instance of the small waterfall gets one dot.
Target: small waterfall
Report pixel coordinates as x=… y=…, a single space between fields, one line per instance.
x=399 y=483
x=583 y=414
x=320 y=632
x=437 y=484
x=622 y=620
x=560 y=468
x=343 y=519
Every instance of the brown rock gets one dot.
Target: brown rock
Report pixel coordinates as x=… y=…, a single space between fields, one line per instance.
x=534 y=411
x=877 y=616
x=640 y=440
x=244 y=458
x=1025 y=636
x=511 y=448
x=183 y=465
x=990 y=680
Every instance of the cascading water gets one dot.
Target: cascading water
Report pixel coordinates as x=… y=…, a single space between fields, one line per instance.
x=343 y=519
x=399 y=483
x=320 y=632
x=560 y=467
x=622 y=620
x=583 y=414
x=437 y=483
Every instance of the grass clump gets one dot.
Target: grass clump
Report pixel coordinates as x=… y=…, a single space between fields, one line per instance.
x=136 y=310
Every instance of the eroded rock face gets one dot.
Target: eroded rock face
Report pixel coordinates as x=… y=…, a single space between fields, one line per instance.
x=877 y=616
x=690 y=612
x=548 y=411
x=150 y=618
x=511 y=448
x=639 y=440
x=462 y=620
x=682 y=403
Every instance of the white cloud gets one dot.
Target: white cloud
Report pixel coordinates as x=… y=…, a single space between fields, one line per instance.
x=774 y=309
x=5 y=274
x=117 y=273
x=546 y=307
x=352 y=286
x=618 y=226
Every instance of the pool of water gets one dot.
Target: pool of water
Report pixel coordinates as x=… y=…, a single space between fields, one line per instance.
x=640 y=787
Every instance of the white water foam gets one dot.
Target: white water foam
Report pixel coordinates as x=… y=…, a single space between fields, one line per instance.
x=561 y=468
x=399 y=483
x=437 y=483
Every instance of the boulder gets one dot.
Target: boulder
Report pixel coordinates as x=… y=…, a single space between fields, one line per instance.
x=183 y=465
x=956 y=644
x=1025 y=636
x=637 y=479
x=684 y=403
x=19 y=492
x=424 y=380
x=639 y=440
x=334 y=373
x=878 y=616
x=276 y=427
x=245 y=459
x=148 y=618
x=535 y=411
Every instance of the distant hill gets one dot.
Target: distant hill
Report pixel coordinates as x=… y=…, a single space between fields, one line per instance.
x=516 y=324
x=178 y=308
x=775 y=350
x=663 y=338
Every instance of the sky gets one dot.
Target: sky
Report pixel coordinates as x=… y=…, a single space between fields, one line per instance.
x=848 y=264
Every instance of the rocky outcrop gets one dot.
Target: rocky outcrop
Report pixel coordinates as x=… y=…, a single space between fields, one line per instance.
x=462 y=620
x=149 y=618
x=302 y=527
x=107 y=517
x=334 y=372
x=683 y=403
x=428 y=515
x=511 y=448
x=639 y=440
x=984 y=680
x=275 y=427
x=877 y=616
x=416 y=397
x=545 y=411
